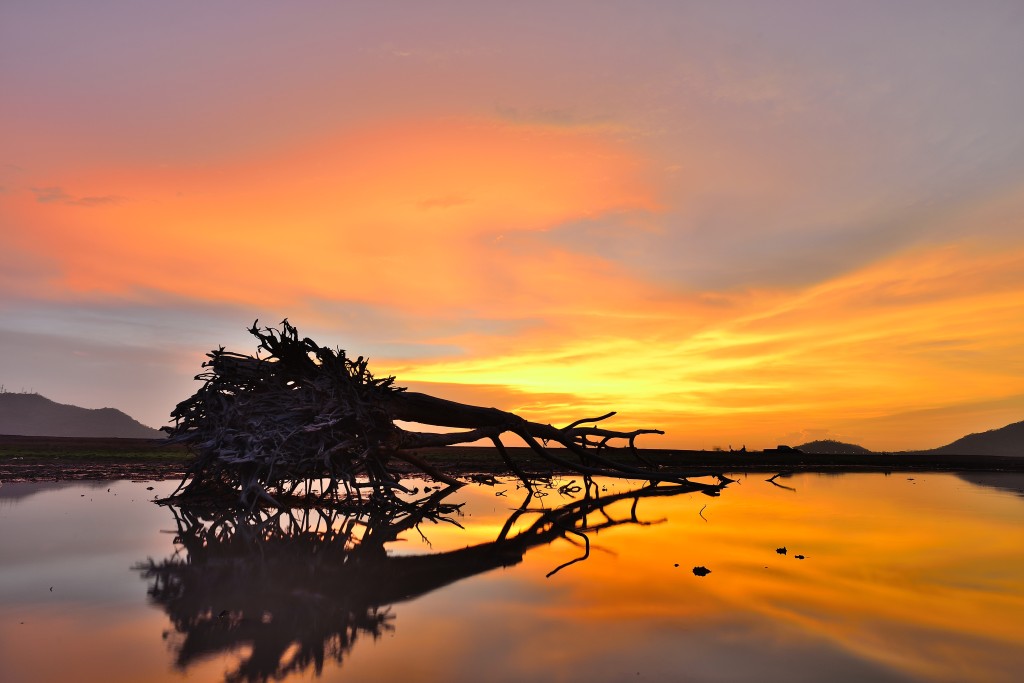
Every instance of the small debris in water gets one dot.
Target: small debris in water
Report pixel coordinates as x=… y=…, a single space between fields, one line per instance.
x=701 y=571
x=781 y=551
x=676 y=564
x=149 y=488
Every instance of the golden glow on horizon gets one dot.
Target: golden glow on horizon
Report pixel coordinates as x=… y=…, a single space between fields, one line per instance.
x=922 y=329
x=848 y=571
x=867 y=586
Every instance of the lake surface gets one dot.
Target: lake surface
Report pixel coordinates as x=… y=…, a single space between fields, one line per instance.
x=903 y=577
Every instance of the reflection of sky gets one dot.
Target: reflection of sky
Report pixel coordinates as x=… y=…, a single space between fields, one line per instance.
x=906 y=577
x=10 y=495
x=830 y=196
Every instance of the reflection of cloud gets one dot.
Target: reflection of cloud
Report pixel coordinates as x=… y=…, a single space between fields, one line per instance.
x=934 y=596
x=57 y=195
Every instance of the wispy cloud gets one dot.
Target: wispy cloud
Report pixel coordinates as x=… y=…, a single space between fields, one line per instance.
x=57 y=195
x=554 y=117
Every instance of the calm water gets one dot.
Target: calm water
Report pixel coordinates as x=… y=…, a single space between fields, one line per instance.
x=914 y=577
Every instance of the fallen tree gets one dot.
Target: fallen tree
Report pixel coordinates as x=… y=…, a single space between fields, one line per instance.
x=298 y=413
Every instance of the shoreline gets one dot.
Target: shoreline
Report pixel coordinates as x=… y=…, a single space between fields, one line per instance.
x=39 y=458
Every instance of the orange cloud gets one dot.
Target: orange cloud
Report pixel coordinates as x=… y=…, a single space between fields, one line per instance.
x=405 y=215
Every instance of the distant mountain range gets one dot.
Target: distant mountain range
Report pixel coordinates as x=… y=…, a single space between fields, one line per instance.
x=828 y=446
x=1008 y=440
x=36 y=415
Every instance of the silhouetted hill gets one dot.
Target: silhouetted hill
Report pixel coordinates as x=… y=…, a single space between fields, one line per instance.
x=35 y=415
x=1008 y=440
x=828 y=446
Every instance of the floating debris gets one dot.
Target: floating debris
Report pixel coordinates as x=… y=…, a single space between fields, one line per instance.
x=701 y=571
x=781 y=551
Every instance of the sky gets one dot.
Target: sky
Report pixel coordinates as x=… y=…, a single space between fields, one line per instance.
x=744 y=223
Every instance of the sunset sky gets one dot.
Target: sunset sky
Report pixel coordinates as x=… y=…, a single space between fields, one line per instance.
x=745 y=223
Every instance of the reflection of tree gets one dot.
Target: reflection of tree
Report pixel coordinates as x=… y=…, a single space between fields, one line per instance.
x=291 y=589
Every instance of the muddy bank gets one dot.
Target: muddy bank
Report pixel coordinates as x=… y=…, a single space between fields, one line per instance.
x=40 y=458
x=24 y=458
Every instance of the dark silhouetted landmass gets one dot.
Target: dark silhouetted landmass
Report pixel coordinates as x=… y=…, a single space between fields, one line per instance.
x=36 y=415
x=51 y=458
x=827 y=446
x=1008 y=440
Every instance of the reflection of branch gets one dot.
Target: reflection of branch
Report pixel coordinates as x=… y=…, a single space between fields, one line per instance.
x=584 y=556
x=771 y=480
x=297 y=588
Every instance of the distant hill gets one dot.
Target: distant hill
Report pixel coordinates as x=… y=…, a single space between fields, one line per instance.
x=1008 y=440
x=828 y=446
x=35 y=415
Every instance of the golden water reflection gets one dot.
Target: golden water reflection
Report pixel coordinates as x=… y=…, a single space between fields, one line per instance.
x=297 y=589
x=902 y=577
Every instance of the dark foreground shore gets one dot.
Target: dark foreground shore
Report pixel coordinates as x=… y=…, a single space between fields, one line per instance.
x=34 y=458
